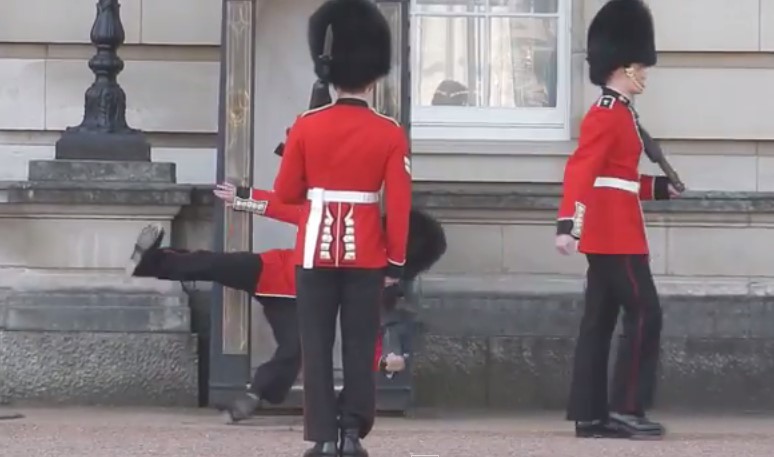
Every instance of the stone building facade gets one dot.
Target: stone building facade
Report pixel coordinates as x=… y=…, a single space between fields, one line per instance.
x=501 y=308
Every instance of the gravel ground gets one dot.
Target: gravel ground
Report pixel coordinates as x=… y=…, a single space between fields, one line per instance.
x=68 y=432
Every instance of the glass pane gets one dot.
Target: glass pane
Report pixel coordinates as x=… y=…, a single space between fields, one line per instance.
x=524 y=6
x=523 y=62
x=387 y=95
x=449 y=6
x=450 y=61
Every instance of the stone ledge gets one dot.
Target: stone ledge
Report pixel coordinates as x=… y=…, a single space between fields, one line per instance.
x=94 y=311
x=86 y=368
x=496 y=285
x=94 y=193
x=102 y=171
x=28 y=280
x=202 y=196
x=528 y=196
x=546 y=197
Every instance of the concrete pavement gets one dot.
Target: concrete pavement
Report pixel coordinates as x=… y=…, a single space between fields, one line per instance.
x=81 y=432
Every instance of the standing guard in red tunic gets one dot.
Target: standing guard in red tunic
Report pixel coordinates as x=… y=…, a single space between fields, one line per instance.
x=601 y=207
x=336 y=161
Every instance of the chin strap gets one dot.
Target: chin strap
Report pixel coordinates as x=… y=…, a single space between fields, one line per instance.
x=633 y=77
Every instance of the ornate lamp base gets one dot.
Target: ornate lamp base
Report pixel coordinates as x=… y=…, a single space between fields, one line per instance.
x=84 y=145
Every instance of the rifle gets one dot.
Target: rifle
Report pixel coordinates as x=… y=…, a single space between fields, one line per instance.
x=656 y=155
x=321 y=94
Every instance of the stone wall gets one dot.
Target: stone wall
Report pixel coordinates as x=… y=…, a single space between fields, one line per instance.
x=717 y=141
x=502 y=309
x=494 y=337
x=708 y=242
x=74 y=329
x=503 y=338
x=701 y=102
x=171 y=78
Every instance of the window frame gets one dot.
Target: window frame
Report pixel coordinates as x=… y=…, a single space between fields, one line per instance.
x=487 y=123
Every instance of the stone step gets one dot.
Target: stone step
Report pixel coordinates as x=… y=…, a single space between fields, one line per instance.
x=103 y=368
x=512 y=347
x=94 y=311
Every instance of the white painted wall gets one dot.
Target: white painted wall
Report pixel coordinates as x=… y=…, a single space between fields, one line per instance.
x=283 y=81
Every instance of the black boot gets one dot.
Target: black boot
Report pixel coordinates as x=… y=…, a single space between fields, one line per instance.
x=598 y=429
x=322 y=449
x=243 y=407
x=148 y=240
x=637 y=427
x=350 y=444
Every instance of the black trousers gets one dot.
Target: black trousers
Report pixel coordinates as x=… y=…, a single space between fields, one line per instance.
x=614 y=281
x=273 y=379
x=321 y=294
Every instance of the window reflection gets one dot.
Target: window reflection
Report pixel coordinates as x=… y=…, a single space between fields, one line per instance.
x=488 y=53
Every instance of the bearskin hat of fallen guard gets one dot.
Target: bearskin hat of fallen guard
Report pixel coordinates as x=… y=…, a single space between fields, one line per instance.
x=426 y=243
x=621 y=34
x=426 y=246
x=361 y=45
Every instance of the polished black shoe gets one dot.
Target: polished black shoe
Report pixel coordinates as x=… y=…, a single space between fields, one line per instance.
x=350 y=444
x=243 y=407
x=327 y=449
x=598 y=429
x=637 y=427
x=149 y=239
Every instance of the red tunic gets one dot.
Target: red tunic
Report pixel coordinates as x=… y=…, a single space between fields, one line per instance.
x=278 y=276
x=602 y=185
x=348 y=147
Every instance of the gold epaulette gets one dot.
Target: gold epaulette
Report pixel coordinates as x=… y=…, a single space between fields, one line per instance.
x=315 y=110
x=383 y=116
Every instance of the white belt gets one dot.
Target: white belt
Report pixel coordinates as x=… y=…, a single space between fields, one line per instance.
x=318 y=198
x=618 y=183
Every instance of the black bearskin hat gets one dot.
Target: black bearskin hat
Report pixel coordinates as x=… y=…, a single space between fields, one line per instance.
x=426 y=246
x=620 y=34
x=361 y=46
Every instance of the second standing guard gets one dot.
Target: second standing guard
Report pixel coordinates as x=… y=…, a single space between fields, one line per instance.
x=336 y=160
x=601 y=207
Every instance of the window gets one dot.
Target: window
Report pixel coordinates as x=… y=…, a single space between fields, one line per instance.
x=490 y=69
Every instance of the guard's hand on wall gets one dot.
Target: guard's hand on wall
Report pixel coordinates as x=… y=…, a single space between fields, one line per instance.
x=226 y=192
x=394 y=363
x=566 y=244
x=673 y=192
